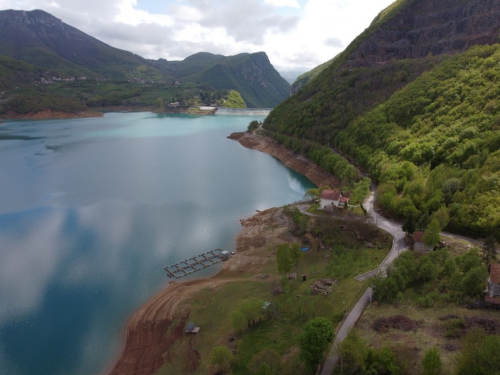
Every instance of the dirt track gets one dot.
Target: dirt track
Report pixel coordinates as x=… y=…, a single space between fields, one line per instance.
x=294 y=161
x=158 y=324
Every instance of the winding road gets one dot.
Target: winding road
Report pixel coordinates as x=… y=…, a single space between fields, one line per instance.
x=398 y=245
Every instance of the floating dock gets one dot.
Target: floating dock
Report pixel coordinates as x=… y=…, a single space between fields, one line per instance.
x=199 y=262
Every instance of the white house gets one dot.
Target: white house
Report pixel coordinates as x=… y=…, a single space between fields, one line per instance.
x=331 y=199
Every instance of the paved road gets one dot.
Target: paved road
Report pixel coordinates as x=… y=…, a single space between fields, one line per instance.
x=398 y=246
x=349 y=322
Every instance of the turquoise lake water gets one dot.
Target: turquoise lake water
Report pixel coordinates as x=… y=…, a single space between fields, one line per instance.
x=91 y=210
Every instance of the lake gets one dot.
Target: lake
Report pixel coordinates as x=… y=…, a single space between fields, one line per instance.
x=92 y=210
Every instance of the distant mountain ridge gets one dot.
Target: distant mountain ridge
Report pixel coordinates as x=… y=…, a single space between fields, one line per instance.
x=42 y=40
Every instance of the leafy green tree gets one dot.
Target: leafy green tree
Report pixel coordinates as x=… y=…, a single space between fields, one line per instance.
x=474 y=281
x=469 y=260
x=239 y=321
x=295 y=256
x=314 y=340
x=432 y=236
x=479 y=354
x=353 y=352
x=409 y=225
x=253 y=311
x=222 y=358
x=283 y=258
x=254 y=125
x=264 y=370
x=382 y=362
x=268 y=357
x=489 y=248
x=432 y=362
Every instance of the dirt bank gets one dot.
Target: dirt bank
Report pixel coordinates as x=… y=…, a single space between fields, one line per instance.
x=157 y=325
x=294 y=161
x=49 y=114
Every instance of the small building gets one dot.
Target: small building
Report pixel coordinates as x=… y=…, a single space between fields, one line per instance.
x=418 y=242
x=191 y=328
x=493 y=293
x=331 y=199
x=173 y=105
x=224 y=255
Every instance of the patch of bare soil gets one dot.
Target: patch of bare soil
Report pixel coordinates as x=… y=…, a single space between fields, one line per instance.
x=157 y=325
x=490 y=326
x=400 y=322
x=294 y=161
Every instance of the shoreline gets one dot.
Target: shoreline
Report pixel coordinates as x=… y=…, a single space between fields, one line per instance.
x=298 y=163
x=159 y=323
x=50 y=115
x=144 y=342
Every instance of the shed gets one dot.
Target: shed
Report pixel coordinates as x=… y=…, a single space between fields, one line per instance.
x=225 y=255
x=418 y=242
x=191 y=328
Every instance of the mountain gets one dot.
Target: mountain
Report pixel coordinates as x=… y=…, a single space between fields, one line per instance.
x=252 y=75
x=38 y=38
x=412 y=101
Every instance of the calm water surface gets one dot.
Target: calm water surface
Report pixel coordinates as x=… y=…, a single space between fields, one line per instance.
x=91 y=210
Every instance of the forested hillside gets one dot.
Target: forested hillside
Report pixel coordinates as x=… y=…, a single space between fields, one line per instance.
x=413 y=104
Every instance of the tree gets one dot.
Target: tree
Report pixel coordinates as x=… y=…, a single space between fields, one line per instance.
x=315 y=338
x=432 y=362
x=409 y=224
x=353 y=352
x=239 y=320
x=283 y=258
x=473 y=282
x=479 y=355
x=252 y=311
x=222 y=358
x=431 y=236
x=295 y=255
x=489 y=251
x=268 y=357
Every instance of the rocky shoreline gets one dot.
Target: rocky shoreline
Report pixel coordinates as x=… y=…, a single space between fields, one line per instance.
x=49 y=114
x=298 y=163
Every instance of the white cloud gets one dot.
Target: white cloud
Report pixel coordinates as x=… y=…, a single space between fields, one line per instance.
x=305 y=36
x=283 y=3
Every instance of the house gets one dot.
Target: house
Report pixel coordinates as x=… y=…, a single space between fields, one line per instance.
x=191 y=328
x=331 y=199
x=418 y=242
x=493 y=293
x=173 y=105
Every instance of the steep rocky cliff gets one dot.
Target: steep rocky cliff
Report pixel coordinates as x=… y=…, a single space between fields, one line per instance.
x=430 y=27
x=413 y=29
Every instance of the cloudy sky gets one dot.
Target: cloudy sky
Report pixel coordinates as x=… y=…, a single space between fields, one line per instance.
x=295 y=34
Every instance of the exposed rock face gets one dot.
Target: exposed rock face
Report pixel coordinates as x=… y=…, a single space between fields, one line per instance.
x=429 y=26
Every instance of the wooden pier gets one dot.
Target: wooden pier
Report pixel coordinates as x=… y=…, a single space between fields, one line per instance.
x=196 y=263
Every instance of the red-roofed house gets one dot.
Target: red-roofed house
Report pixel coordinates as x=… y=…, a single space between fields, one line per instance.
x=494 y=284
x=332 y=199
x=418 y=242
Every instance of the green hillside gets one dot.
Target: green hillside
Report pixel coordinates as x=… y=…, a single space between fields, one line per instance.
x=435 y=145
x=405 y=102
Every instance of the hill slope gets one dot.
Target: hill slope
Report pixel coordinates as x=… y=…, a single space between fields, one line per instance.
x=356 y=104
x=39 y=39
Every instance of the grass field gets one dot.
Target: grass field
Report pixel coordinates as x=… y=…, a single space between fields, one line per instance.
x=343 y=258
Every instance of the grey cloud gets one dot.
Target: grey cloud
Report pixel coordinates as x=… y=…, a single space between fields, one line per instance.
x=333 y=42
x=244 y=20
